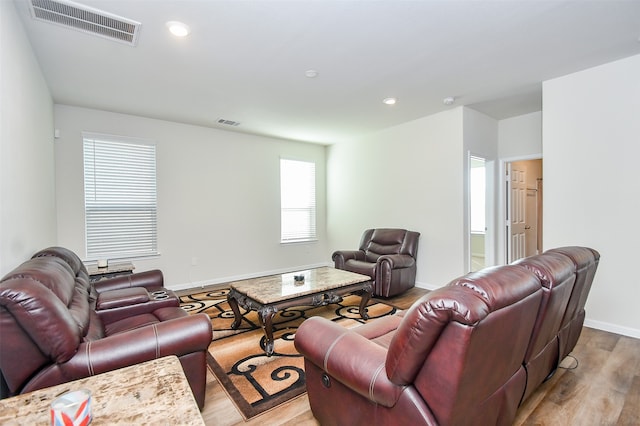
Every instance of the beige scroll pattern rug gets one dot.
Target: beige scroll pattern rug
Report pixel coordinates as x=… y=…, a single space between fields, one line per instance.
x=257 y=383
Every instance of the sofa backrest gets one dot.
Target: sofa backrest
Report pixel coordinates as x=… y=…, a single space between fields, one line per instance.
x=462 y=345
x=556 y=273
x=586 y=262
x=381 y=241
x=72 y=259
x=44 y=311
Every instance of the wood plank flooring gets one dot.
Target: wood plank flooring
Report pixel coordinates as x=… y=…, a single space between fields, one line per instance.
x=600 y=386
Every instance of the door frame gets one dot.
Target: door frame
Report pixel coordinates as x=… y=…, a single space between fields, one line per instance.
x=501 y=188
x=490 y=217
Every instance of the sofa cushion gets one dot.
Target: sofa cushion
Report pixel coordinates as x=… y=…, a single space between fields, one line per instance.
x=382 y=330
x=142 y=320
x=55 y=322
x=384 y=241
x=122 y=297
x=130 y=323
x=65 y=254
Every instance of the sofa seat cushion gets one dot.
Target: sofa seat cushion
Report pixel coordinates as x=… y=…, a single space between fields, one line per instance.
x=360 y=267
x=382 y=330
x=130 y=323
x=142 y=320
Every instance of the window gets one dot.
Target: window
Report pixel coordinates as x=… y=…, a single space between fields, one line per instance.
x=297 y=201
x=477 y=188
x=120 y=197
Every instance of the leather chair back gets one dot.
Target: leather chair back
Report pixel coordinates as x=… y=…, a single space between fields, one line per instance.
x=444 y=341
x=382 y=241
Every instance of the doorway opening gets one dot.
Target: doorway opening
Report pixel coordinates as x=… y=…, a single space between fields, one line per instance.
x=477 y=213
x=523 y=209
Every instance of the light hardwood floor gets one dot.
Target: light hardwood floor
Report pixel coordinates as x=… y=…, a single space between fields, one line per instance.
x=604 y=388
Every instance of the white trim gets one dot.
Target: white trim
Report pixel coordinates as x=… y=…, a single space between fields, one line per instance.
x=427 y=286
x=223 y=280
x=613 y=328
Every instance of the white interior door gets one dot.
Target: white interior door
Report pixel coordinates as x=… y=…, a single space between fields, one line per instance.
x=531 y=228
x=516 y=220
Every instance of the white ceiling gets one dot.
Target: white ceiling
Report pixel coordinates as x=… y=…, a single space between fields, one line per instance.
x=246 y=60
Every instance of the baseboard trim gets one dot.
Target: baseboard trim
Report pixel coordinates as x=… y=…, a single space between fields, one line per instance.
x=426 y=286
x=222 y=280
x=613 y=328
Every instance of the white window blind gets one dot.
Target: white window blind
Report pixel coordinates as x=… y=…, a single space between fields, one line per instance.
x=120 y=197
x=297 y=201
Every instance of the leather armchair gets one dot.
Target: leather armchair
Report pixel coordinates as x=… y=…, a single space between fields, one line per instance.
x=53 y=332
x=388 y=256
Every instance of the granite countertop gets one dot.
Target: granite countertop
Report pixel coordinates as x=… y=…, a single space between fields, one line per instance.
x=111 y=268
x=274 y=288
x=154 y=392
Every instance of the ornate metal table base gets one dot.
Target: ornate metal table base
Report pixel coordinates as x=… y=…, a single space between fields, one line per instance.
x=266 y=311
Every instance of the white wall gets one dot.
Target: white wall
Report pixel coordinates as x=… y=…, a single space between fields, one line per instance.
x=218 y=197
x=409 y=176
x=591 y=141
x=27 y=194
x=518 y=138
x=481 y=140
x=521 y=136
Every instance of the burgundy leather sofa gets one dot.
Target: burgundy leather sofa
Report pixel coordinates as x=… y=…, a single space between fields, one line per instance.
x=387 y=255
x=468 y=353
x=56 y=326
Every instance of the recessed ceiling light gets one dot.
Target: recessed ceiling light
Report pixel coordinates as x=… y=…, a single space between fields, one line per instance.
x=389 y=101
x=178 y=29
x=311 y=73
x=449 y=100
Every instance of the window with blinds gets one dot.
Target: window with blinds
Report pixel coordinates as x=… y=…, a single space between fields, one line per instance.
x=120 y=197
x=297 y=201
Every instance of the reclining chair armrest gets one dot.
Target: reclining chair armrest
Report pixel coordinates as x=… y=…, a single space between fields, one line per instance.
x=397 y=261
x=109 y=316
x=149 y=279
x=179 y=336
x=348 y=357
x=341 y=256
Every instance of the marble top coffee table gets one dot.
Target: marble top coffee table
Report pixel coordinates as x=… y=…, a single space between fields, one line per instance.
x=268 y=295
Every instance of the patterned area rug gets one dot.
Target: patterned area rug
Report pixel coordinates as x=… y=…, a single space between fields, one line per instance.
x=257 y=383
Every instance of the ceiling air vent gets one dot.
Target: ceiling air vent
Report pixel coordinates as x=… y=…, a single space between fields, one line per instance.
x=228 y=122
x=86 y=19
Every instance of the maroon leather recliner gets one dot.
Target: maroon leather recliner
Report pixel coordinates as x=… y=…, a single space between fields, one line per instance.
x=56 y=327
x=387 y=255
x=467 y=353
